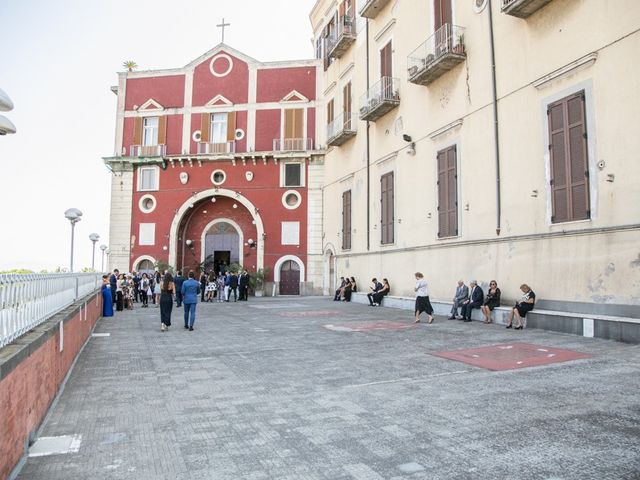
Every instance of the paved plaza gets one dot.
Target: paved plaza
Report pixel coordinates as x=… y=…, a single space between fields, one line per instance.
x=309 y=389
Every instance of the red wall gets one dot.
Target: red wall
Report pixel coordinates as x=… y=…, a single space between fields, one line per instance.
x=275 y=84
x=267 y=128
x=174 y=134
x=27 y=392
x=167 y=91
x=234 y=86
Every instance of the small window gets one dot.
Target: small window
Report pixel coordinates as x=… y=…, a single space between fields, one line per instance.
x=218 y=127
x=150 y=135
x=218 y=177
x=291 y=199
x=292 y=175
x=147 y=204
x=148 y=179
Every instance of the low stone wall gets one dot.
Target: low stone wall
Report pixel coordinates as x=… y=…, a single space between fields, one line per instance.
x=32 y=371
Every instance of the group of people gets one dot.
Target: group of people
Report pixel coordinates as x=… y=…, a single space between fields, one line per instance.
x=466 y=298
x=219 y=287
x=121 y=291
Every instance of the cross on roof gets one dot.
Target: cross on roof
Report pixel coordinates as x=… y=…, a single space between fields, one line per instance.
x=222 y=25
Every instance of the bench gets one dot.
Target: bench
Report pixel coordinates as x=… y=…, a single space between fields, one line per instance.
x=592 y=325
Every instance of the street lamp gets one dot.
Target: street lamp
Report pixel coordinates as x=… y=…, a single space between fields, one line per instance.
x=94 y=237
x=103 y=247
x=74 y=216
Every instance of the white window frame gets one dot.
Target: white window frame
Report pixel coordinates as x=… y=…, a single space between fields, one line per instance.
x=146 y=234
x=156 y=183
x=150 y=128
x=283 y=176
x=220 y=119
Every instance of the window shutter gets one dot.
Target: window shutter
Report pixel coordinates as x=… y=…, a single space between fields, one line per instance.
x=386 y=207
x=298 y=116
x=578 y=165
x=137 y=131
x=162 y=130
x=386 y=69
x=288 y=123
x=443 y=216
x=452 y=192
x=346 y=220
x=346 y=106
x=330 y=111
x=231 y=126
x=342 y=8
x=205 y=126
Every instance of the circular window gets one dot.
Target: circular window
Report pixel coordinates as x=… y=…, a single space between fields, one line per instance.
x=197 y=135
x=478 y=5
x=291 y=199
x=221 y=65
x=239 y=134
x=147 y=204
x=218 y=177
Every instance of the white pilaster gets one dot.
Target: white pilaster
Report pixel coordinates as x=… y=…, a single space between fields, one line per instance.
x=120 y=218
x=186 y=118
x=251 y=112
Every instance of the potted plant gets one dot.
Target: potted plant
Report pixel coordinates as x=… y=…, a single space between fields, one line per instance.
x=257 y=281
x=459 y=46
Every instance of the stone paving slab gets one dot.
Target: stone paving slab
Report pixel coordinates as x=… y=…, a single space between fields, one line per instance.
x=252 y=394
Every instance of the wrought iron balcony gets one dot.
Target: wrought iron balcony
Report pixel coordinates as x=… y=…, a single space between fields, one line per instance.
x=437 y=55
x=342 y=38
x=522 y=8
x=147 y=150
x=292 y=144
x=216 y=148
x=383 y=97
x=371 y=8
x=341 y=129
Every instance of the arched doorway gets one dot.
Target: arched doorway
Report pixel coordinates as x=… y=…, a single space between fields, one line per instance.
x=144 y=265
x=290 y=278
x=222 y=244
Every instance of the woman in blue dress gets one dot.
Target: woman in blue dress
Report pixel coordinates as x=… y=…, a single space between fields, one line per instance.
x=107 y=299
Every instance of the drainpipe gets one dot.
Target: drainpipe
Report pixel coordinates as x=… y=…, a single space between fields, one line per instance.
x=495 y=118
x=368 y=152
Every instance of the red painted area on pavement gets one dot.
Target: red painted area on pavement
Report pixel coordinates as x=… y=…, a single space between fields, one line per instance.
x=368 y=326
x=510 y=356
x=317 y=313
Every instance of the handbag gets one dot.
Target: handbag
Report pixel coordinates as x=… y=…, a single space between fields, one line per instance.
x=149 y=292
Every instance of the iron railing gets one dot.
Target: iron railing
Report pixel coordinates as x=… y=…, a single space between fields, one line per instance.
x=346 y=121
x=26 y=301
x=447 y=39
x=346 y=29
x=292 y=144
x=386 y=90
x=147 y=150
x=213 y=148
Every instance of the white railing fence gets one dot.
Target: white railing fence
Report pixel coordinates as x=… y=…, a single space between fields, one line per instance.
x=26 y=301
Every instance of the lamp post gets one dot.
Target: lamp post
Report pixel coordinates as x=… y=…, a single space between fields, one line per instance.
x=94 y=237
x=74 y=216
x=103 y=247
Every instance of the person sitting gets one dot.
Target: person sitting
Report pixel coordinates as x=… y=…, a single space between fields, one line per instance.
x=380 y=294
x=377 y=286
x=349 y=288
x=526 y=304
x=462 y=294
x=476 y=297
x=338 y=294
x=491 y=301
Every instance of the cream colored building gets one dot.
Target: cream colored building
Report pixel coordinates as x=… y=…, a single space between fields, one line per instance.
x=420 y=187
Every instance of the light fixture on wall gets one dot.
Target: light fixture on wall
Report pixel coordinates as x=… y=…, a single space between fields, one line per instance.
x=251 y=243
x=189 y=243
x=412 y=145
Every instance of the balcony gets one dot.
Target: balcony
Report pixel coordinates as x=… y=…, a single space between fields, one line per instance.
x=371 y=8
x=147 y=150
x=341 y=129
x=342 y=38
x=380 y=99
x=205 y=148
x=522 y=8
x=292 y=144
x=437 y=55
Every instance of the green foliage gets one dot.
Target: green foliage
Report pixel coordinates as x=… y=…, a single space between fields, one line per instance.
x=163 y=266
x=130 y=65
x=17 y=271
x=88 y=270
x=257 y=279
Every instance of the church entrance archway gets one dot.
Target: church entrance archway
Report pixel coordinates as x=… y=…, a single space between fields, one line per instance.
x=290 y=278
x=222 y=245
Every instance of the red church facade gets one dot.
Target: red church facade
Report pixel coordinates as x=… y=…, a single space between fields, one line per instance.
x=217 y=162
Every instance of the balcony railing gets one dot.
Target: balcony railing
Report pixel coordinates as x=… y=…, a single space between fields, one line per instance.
x=148 y=150
x=383 y=97
x=26 y=301
x=522 y=8
x=342 y=38
x=205 y=148
x=341 y=129
x=371 y=8
x=292 y=144
x=437 y=55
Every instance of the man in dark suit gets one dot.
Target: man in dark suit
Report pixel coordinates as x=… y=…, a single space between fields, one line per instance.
x=243 y=284
x=233 y=287
x=178 y=280
x=476 y=297
x=113 y=284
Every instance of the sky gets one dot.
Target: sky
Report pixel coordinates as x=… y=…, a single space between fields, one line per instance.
x=58 y=61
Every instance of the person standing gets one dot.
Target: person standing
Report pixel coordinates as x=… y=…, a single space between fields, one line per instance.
x=190 y=290
x=113 y=283
x=136 y=287
x=227 y=286
x=233 y=287
x=220 y=286
x=178 y=280
x=145 y=288
x=243 y=283
x=120 y=292
x=422 y=299
x=462 y=294
x=107 y=305
x=167 y=288
x=203 y=285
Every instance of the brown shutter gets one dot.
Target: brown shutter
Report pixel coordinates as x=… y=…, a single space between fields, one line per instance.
x=205 y=127
x=288 y=123
x=330 y=111
x=346 y=220
x=569 y=161
x=231 y=126
x=442 y=13
x=346 y=106
x=137 y=131
x=386 y=69
x=162 y=130
x=342 y=8
x=386 y=201
x=442 y=194
x=447 y=192
x=298 y=117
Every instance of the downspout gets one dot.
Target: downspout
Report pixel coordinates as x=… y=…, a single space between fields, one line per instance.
x=495 y=118
x=368 y=151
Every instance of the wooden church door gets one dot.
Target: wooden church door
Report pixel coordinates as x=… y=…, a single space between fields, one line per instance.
x=290 y=278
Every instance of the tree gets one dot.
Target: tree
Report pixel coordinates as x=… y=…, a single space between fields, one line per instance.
x=130 y=65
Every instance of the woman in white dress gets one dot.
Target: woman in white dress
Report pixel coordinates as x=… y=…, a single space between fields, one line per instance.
x=422 y=299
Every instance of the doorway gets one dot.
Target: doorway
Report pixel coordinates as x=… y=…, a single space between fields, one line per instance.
x=222 y=244
x=290 y=278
